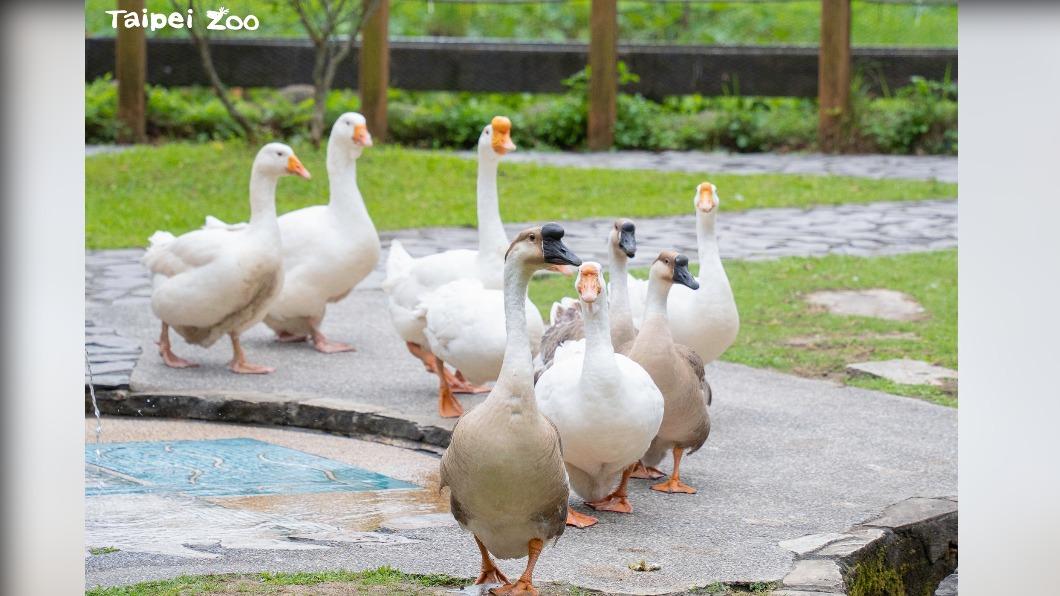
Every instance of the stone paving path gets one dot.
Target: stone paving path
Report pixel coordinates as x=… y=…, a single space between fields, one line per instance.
x=114 y=277
x=910 y=167
x=869 y=229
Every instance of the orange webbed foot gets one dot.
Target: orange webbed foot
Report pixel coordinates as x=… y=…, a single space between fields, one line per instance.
x=449 y=406
x=579 y=520
x=612 y=503
x=491 y=576
x=673 y=485
x=519 y=588
x=326 y=346
x=460 y=384
x=173 y=361
x=646 y=473
x=246 y=368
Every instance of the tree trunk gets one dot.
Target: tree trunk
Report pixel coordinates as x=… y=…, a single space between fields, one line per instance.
x=833 y=75
x=603 y=73
x=131 y=69
x=374 y=68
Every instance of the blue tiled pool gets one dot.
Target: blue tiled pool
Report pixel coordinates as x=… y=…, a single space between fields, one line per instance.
x=222 y=467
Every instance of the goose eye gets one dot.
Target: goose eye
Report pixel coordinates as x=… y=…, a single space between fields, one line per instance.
x=280 y=153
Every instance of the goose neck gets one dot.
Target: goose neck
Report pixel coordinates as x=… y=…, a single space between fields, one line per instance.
x=263 y=199
x=621 y=314
x=598 y=364
x=706 y=237
x=655 y=304
x=516 y=376
x=491 y=236
x=344 y=194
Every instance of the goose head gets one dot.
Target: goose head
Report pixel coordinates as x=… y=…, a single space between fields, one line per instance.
x=350 y=132
x=706 y=199
x=541 y=247
x=496 y=139
x=276 y=159
x=590 y=283
x=623 y=239
x=671 y=267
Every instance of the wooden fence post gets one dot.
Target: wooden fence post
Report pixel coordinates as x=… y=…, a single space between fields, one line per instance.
x=374 y=68
x=130 y=68
x=603 y=75
x=833 y=73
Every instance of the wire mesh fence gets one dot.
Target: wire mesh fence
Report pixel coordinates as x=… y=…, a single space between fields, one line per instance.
x=880 y=23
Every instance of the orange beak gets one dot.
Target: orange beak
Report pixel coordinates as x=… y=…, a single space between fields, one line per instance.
x=502 y=137
x=294 y=166
x=361 y=135
x=707 y=200
x=588 y=285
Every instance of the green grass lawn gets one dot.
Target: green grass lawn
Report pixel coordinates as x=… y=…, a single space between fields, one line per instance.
x=131 y=194
x=381 y=581
x=779 y=330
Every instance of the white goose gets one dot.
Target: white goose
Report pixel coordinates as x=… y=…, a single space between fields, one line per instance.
x=409 y=279
x=327 y=249
x=465 y=328
x=213 y=282
x=606 y=407
x=705 y=320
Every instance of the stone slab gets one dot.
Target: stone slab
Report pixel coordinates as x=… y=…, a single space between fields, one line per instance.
x=905 y=371
x=912 y=510
x=877 y=303
x=815 y=574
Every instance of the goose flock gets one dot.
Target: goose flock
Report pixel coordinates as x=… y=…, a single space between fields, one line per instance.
x=600 y=396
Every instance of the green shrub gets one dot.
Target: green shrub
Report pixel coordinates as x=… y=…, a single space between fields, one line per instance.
x=920 y=118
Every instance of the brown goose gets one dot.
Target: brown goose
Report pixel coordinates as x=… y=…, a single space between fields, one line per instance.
x=676 y=369
x=566 y=319
x=504 y=466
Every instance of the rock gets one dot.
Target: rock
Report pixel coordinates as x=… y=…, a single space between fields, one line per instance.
x=810 y=543
x=905 y=372
x=912 y=511
x=815 y=574
x=297 y=93
x=948 y=587
x=857 y=541
x=877 y=303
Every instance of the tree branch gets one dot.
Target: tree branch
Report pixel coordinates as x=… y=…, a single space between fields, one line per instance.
x=219 y=88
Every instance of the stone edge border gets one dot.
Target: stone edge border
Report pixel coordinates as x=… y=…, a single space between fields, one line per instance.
x=301 y=411
x=913 y=544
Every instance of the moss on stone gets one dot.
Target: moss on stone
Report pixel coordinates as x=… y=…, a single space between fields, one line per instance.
x=874 y=577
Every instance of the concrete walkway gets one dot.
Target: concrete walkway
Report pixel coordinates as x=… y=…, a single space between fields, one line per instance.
x=787 y=457
x=910 y=167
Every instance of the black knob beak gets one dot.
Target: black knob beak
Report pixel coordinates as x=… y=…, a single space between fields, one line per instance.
x=627 y=239
x=682 y=275
x=556 y=253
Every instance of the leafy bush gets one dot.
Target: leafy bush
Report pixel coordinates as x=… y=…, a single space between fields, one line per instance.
x=919 y=118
